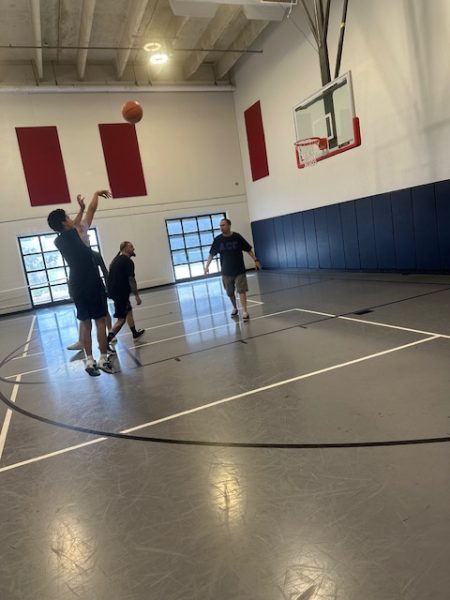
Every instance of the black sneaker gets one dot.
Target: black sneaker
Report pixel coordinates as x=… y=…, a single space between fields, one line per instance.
x=92 y=370
x=106 y=366
x=245 y=316
x=138 y=333
x=111 y=349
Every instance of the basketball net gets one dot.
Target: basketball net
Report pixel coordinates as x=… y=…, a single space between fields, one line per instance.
x=309 y=150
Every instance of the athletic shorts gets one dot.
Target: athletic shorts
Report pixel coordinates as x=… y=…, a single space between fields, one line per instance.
x=122 y=307
x=90 y=301
x=230 y=282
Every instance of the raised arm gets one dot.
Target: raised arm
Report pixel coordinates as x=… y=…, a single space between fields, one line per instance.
x=82 y=206
x=93 y=206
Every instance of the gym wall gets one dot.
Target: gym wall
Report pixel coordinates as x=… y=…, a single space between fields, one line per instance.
x=396 y=51
x=183 y=141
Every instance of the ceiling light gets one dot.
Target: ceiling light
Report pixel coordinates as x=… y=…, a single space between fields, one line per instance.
x=152 y=47
x=159 y=58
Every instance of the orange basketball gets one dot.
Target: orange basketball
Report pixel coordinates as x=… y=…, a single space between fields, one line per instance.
x=132 y=111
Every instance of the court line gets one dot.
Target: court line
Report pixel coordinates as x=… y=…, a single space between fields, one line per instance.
x=185 y=335
x=8 y=416
x=171 y=417
x=377 y=323
x=136 y=347
x=197 y=318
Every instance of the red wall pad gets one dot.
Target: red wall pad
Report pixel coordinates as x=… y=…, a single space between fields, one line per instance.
x=43 y=165
x=256 y=141
x=123 y=160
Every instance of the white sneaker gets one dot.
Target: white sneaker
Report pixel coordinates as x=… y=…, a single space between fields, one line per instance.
x=245 y=316
x=76 y=346
x=234 y=312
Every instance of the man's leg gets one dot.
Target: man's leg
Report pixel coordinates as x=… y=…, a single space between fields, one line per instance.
x=242 y=289
x=228 y=284
x=85 y=335
x=243 y=299
x=131 y=324
x=103 y=363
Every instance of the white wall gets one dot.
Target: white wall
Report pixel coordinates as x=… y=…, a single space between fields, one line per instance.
x=191 y=160
x=397 y=51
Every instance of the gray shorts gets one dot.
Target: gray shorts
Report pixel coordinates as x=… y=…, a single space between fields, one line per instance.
x=232 y=281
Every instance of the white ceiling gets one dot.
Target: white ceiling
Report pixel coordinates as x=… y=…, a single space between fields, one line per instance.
x=100 y=42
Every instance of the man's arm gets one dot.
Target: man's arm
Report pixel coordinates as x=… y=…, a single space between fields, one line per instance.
x=82 y=206
x=208 y=262
x=87 y=221
x=257 y=263
x=134 y=289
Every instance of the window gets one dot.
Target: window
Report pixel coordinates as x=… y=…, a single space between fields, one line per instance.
x=46 y=270
x=190 y=239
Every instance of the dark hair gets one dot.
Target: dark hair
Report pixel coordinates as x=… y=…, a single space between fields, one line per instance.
x=123 y=245
x=226 y=220
x=56 y=218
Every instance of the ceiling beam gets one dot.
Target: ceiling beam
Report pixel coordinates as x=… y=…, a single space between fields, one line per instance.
x=36 y=21
x=223 y=18
x=130 y=30
x=87 y=19
x=244 y=40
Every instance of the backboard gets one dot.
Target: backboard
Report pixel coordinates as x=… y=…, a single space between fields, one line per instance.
x=328 y=114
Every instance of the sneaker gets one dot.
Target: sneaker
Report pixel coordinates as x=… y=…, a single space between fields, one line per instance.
x=111 y=349
x=234 y=312
x=245 y=316
x=113 y=341
x=92 y=369
x=76 y=346
x=138 y=333
x=106 y=366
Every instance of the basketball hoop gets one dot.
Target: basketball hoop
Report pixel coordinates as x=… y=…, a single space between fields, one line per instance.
x=309 y=150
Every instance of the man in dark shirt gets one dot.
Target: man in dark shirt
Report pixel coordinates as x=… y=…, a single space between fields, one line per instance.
x=230 y=246
x=121 y=283
x=85 y=284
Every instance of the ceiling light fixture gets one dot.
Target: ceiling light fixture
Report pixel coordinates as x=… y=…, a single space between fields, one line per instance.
x=152 y=47
x=159 y=58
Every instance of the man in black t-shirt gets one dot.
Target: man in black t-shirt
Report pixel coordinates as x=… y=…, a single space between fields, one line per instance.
x=230 y=246
x=85 y=284
x=121 y=283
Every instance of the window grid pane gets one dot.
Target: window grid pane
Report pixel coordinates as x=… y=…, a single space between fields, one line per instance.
x=46 y=271
x=190 y=239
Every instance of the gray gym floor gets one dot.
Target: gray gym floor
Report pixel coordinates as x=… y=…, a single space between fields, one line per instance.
x=101 y=518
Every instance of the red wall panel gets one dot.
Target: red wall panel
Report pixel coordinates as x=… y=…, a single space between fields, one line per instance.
x=256 y=141
x=123 y=160
x=43 y=165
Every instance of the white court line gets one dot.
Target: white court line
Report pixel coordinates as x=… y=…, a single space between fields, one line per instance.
x=184 y=335
x=8 y=416
x=178 y=302
x=197 y=318
x=377 y=323
x=222 y=401
x=27 y=355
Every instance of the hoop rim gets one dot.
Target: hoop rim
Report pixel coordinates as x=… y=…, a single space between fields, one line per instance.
x=321 y=142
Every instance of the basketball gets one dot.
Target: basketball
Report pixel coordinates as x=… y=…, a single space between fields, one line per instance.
x=132 y=111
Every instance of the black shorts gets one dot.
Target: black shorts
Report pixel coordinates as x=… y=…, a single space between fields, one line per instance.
x=90 y=301
x=122 y=307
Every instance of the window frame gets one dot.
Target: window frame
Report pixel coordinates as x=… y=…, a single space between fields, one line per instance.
x=49 y=285
x=186 y=249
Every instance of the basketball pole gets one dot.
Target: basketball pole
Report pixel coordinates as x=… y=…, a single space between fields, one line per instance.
x=341 y=40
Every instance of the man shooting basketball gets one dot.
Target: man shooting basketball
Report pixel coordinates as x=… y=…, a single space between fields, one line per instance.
x=85 y=284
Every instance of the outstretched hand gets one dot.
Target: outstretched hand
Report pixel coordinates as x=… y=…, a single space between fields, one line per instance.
x=80 y=200
x=104 y=193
